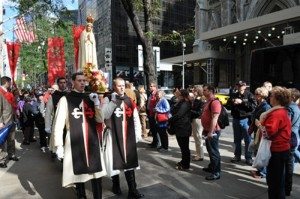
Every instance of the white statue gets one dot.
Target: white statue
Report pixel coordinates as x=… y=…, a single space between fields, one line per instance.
x=87 y=47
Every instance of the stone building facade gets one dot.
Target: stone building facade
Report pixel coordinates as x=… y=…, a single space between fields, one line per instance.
x=227 y=31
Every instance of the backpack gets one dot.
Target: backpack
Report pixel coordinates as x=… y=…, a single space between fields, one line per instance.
x=223 y=119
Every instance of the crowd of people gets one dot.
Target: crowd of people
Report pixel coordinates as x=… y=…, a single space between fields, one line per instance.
x=96 y=135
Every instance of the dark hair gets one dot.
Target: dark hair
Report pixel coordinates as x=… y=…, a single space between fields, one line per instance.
x=76 y=74
x=295 y=94
x=185 y=94
x=5 y=79
x=210 y=88
x=60 y=78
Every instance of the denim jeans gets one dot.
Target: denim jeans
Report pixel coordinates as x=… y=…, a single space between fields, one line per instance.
x=240 y=131
x=212 y=147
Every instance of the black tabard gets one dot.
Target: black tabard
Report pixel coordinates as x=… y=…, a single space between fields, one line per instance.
x=124 y=147
x=85 y=153
x=56 y=97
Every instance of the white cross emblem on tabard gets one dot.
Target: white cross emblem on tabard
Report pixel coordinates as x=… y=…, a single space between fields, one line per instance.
x=118 y=112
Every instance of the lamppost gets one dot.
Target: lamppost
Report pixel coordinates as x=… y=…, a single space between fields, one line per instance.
x=183 y=44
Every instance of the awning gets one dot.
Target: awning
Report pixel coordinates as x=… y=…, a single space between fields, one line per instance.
x=209 y=54
x=290 y=14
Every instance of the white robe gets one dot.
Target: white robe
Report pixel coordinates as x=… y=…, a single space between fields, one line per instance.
x=62 y=119
x=107 y=108
x=87 y=50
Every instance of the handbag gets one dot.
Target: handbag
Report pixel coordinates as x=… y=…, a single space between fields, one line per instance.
x=263 y=154
x=171 y=130
x=162 y=117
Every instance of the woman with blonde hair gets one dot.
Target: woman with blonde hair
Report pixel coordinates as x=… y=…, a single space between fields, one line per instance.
x=197 y=128
x=162 y=107
x=261 y=95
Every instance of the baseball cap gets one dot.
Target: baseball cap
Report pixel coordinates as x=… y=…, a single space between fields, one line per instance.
x=241 y=83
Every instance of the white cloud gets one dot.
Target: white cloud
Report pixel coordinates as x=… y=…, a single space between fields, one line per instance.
x=9 y=3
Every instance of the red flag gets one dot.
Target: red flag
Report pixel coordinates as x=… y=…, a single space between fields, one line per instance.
x=56 y=59
x=76 y=35
x=13 y=50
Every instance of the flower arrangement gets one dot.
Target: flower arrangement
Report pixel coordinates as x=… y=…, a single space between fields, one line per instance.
x=96 y=79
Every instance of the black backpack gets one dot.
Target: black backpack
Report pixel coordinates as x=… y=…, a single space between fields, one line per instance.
x=223 y=119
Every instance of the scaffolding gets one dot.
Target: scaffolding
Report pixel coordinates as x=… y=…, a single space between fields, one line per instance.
x=210 y=71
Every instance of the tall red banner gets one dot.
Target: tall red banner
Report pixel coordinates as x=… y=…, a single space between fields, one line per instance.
x=56 y=59
x=76 y=35
x=13 y=51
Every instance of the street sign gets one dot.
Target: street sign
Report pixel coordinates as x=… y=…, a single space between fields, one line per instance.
x=156 y=54
x=108 y=59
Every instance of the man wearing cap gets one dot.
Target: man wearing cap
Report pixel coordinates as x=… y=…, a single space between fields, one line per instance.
x=242 y=105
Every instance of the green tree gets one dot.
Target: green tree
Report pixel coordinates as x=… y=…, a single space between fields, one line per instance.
x=151 y=9
x=145 y=34
x=50 y=19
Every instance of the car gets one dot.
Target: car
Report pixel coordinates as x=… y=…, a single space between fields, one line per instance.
x=168 y=92
x=223 y=97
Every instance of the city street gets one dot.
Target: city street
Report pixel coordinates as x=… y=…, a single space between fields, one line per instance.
x=36 y=176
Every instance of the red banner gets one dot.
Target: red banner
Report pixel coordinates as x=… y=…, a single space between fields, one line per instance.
x=76 y=35
x=13 y=51
x=56 y=59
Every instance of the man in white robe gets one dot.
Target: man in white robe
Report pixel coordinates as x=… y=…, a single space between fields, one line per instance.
x=123 y=131
x=81 y=150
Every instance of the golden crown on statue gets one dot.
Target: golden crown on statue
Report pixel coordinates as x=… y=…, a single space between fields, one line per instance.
x=90 y=19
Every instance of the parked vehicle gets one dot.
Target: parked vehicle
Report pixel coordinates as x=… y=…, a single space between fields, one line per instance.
x=169 y=92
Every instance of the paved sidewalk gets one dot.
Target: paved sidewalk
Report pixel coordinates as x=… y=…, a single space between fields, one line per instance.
x=36 y=176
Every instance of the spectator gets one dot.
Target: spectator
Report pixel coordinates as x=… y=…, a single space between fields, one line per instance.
x=162 y=107
x=197 y=128
x=142 y=111
x=294 y=113
x=276 y=126
x=28 y=120
x=211 y=131
x=181 y=122
x=242 y=105
x=152 y=100
x=261 y=94
x=130 y=92
x=8 y=107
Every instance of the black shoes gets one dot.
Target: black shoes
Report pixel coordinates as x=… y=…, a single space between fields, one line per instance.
x=135 y=195
x=32 y=140
x=214 y=176
x=13 y=157
x=235 y=159
x=162 y=150
x=249 y=162
x=3 y=165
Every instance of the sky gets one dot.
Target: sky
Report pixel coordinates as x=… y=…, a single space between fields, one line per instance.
x=11 y=12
